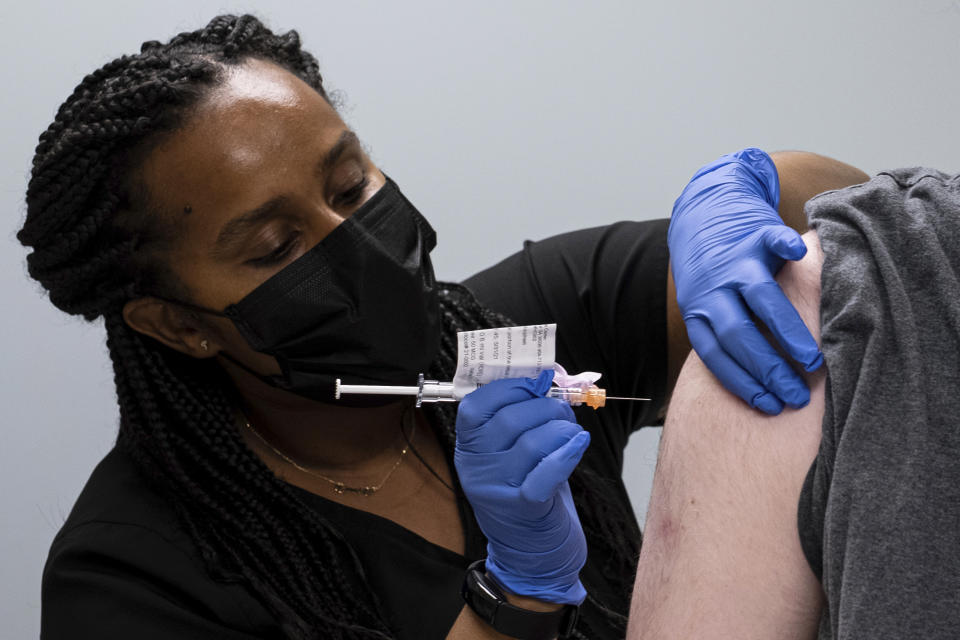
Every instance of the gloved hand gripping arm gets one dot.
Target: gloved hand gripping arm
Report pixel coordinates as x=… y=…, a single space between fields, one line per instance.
x=727 y=243
x=515 y=450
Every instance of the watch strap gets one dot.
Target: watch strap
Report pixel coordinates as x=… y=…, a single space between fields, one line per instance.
x=488 y=601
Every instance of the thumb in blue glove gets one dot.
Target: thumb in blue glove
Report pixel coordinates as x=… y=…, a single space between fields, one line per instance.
x=515 y=451
x=726 y=244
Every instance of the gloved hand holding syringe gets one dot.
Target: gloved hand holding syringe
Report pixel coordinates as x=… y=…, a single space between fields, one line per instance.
x=491 y=354
x=515 y=450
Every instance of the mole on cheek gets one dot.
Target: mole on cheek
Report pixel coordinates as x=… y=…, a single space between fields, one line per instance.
x=187 y=209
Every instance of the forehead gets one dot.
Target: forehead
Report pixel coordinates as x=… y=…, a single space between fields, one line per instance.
x=240 y=143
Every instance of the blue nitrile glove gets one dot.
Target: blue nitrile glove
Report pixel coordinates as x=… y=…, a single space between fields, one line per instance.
x=515 y=450
x=726 y=244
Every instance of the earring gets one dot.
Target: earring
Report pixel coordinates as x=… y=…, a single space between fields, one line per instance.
x=204 y=345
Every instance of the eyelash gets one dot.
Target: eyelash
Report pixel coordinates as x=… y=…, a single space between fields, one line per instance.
x=348 y=197
x=351 y=195
x=277 y=254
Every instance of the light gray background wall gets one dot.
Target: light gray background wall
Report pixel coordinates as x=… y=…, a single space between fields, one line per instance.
x=501 y=121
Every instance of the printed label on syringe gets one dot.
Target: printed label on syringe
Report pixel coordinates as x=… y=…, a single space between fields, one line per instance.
x=485 y=355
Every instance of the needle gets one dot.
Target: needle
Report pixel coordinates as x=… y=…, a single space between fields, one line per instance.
x=619 y=398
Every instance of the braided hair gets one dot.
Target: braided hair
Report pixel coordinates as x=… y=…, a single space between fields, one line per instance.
x=96 y=244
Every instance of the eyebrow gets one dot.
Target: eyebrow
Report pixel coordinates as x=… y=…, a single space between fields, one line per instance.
x=238 y=227
x=346 y=140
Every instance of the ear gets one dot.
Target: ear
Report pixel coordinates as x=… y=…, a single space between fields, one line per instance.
x=171 y=325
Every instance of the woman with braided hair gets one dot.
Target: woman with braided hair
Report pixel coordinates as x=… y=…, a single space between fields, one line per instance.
x=205 y=199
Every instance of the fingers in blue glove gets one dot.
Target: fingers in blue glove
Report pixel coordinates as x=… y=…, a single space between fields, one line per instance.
x=739 y=337
x=733 y=377
x=477 y=407
x=536 y=444
x=545 y=480
x=785 y=242
x=767 y=300
x=515 y=420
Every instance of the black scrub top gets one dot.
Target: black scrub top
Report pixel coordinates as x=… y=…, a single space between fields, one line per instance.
x=122 y=566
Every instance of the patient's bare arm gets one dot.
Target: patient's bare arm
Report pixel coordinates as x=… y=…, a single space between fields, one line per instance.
x=721 y=555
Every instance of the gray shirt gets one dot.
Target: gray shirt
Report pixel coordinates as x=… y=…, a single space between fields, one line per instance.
x=879 y=515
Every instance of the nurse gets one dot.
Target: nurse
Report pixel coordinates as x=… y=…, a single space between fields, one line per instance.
x=207 y=202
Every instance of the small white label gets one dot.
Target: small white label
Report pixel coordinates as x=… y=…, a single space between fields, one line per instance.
x=486 y=355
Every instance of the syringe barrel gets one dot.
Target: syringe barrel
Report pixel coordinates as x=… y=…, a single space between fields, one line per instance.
x=592 y=395
x=436 y=391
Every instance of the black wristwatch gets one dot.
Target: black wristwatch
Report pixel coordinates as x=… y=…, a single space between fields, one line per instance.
x=488 y=601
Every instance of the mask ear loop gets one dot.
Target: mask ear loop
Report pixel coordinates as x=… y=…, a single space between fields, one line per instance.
x=265 y=379
x=269 y=380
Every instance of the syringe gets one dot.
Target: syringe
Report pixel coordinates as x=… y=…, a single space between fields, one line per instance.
x=436 y=391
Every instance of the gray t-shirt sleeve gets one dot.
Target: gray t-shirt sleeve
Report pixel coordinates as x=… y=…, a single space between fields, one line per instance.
x=879 y=514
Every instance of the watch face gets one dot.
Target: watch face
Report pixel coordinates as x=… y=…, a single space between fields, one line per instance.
x=486 y=591
x=481 y=597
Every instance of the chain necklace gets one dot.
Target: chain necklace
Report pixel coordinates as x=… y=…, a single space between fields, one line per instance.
x=339 y=487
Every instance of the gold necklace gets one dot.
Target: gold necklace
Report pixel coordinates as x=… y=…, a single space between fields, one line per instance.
x=339 y=487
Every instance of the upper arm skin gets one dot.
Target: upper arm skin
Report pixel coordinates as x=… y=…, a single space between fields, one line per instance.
x=721 y=556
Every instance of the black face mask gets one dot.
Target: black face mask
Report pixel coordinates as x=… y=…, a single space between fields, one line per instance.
x=360 y=306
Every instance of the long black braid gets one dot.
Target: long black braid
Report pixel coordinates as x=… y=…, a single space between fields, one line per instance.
x=96 y=244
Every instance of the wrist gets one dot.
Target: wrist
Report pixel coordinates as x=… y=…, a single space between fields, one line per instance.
x=561 y=586
x=524 y=602
x=762 y=173
x=515 y=616
x=751 y=170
